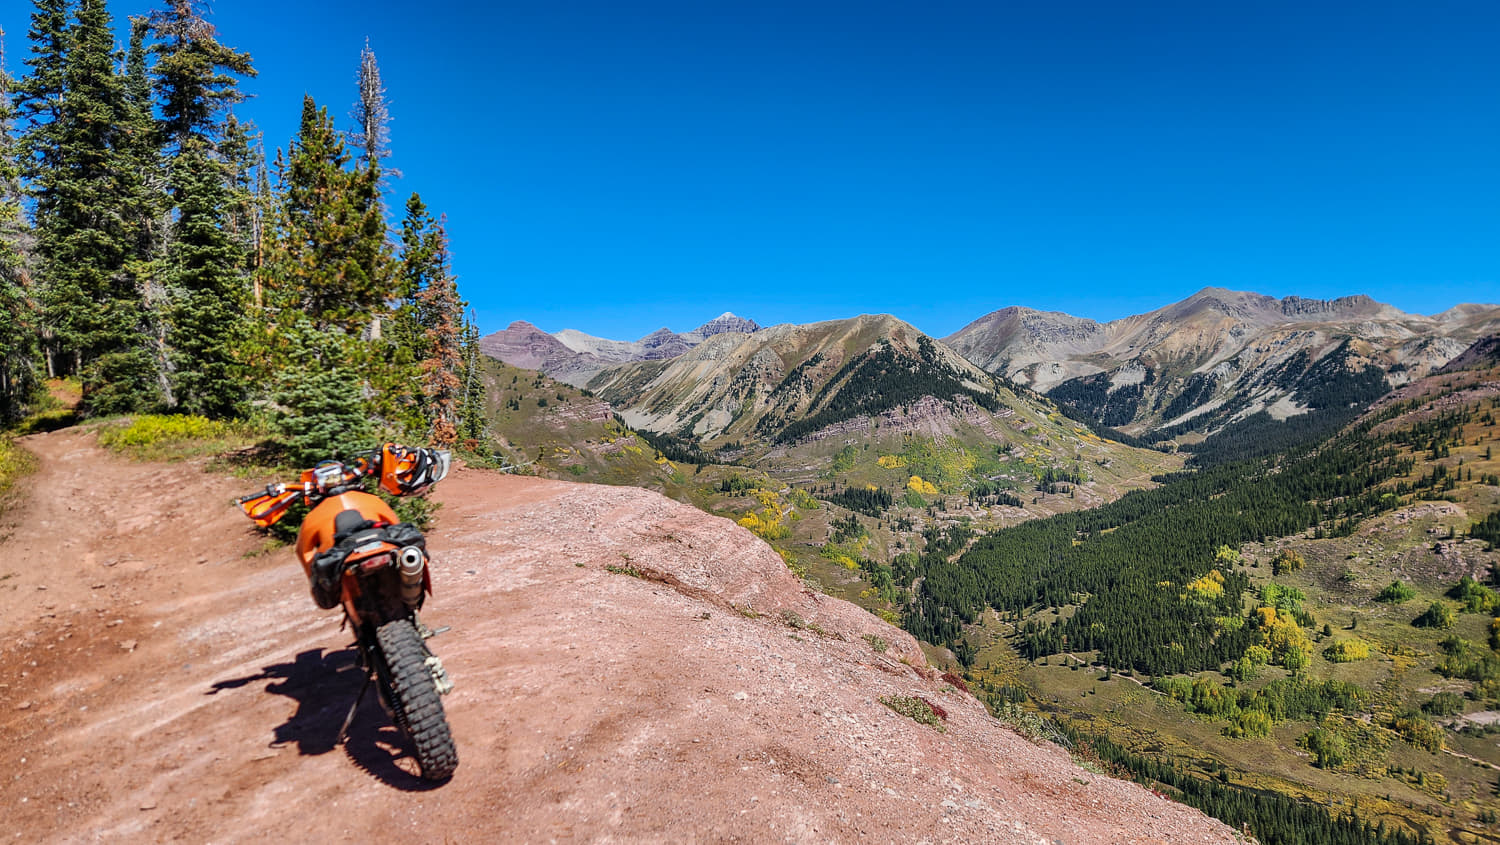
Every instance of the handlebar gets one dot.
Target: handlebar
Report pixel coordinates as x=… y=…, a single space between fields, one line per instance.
x=402 y=471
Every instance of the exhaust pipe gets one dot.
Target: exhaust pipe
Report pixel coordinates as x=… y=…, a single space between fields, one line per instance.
x=412 y=563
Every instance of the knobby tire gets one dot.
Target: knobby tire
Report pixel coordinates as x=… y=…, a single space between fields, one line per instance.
x=414 y=697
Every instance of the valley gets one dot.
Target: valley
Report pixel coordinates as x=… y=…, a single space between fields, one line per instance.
x=1224 y=620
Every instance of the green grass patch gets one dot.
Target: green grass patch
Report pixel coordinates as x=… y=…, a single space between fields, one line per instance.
x=156 y=437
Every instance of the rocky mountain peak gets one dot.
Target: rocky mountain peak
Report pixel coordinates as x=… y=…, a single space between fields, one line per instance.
x=726 y=322
x=574 y=357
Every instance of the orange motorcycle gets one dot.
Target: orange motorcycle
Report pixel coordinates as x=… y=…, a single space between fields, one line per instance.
x=356 y=552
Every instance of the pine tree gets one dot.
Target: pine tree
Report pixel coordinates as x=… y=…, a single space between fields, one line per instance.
x=205 y=259
x=195 y=73
x=428 y=281
x=472 y=430
x=330 y=238
x=145 y=214
x=243 y=154
x=208 y=310
x=91 y=301
x=38 y=104
x=18 y=343
x=322 y=415
x=372 y=116
x=39 y=93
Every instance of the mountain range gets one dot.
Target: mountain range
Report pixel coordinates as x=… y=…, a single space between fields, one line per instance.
x=572 y=357
x=1219 y=356
x=1185 y=371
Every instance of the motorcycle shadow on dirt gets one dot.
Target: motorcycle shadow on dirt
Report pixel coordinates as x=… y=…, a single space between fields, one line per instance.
x=324 y=685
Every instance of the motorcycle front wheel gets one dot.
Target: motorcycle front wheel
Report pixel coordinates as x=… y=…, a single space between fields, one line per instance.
x=412 y=694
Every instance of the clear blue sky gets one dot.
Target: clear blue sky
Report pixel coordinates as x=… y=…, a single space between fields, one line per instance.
x=616 y=167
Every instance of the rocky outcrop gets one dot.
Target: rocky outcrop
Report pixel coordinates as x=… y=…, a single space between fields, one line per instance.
x=628 y=669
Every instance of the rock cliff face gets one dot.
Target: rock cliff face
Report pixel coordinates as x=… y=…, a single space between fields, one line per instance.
x=628 y=669
x=1217 y=356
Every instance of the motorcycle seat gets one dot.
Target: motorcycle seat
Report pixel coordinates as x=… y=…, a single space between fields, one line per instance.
x=347 y=523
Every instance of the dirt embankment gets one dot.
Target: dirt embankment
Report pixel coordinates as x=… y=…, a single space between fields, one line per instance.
x=160 y=681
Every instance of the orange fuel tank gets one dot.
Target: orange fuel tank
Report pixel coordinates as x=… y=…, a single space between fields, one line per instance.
x=317 y=529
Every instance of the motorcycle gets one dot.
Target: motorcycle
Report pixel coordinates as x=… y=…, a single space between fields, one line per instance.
x=357 y=553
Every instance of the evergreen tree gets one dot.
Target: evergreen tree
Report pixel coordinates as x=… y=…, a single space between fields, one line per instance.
x=208 y=310
x=245 y=158
x=471 y=425
x=145 y=214
x=195 y=73
x=428 y=282
x=38 y=94
x=331 y=238
x=18 y=344
x=38 y=105
x=91 y=300
x=371 y=114
x=205 y=258
x=320 y=411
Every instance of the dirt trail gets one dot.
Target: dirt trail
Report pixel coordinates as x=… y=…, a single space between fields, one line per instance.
x=161 y=681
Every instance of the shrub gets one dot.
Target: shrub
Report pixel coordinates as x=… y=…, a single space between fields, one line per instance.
x=1419 y=732
x=1249 y=724
x=877 y=644
x=14 y=463
x=1327 y=747
x=1476 y=597
x=1032 y=726
x=1444 y=704
x=148 y=429
x=1287 y=561
x=916 y=709
x=1396 y=593
x=955 y=681
x=1437 y=615
x=1347 y=651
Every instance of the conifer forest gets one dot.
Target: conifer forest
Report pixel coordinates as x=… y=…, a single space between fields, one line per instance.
x=151 y=251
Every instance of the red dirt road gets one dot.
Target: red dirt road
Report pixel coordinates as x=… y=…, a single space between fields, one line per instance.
x=161 y=681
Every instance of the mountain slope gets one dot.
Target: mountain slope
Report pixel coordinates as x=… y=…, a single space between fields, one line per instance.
x=523 y=345
x=1218 y=357
x=174 y=681
x=1354 y=574
x=789 y=381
